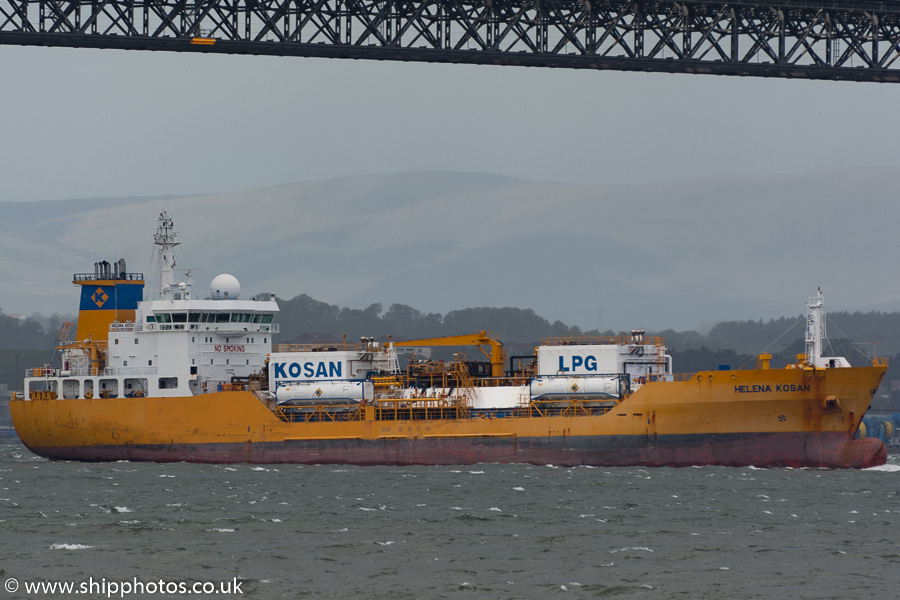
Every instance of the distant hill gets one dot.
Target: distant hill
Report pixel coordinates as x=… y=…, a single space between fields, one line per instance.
x=682 y=255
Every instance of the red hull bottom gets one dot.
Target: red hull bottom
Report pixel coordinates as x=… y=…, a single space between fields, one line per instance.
x=829 y=450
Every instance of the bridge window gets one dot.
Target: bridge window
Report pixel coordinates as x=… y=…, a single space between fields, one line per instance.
x=179 y=317
x=267 y=318
x=223 y=317
x=151 y=319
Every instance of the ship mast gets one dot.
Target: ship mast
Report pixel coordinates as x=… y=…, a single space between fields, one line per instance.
x=815 y=330
x=166 y=238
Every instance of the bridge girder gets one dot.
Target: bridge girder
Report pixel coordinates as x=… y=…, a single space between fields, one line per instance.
x=857 y=41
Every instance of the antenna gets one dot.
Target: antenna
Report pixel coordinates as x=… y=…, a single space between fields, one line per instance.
x=166 y=238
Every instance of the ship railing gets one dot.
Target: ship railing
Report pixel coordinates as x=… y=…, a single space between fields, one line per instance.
x=500 y=381
x=571 y=407
x=75 y=344
x=332 y=413
x=240 y=386
x=115 y=371
x=42 y=372
x=880 y=361
x=97 y=277
x=75 y=372
x=420 y=409
x=672 y=377
x=49 y=372
x=639 y=380
x=622 y=339
x=328 y=347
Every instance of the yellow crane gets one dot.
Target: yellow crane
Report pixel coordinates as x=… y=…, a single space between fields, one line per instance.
x=479 y=339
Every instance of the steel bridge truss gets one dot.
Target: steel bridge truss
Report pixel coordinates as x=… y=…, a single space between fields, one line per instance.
x=857 y=41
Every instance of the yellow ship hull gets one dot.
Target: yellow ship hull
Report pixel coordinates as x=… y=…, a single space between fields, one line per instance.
x=791 y=417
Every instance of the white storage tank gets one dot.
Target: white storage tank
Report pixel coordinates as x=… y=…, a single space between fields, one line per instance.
x=325 y=393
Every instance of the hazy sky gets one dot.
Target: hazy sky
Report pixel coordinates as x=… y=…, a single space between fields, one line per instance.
x=105 y=123
x=87 y=123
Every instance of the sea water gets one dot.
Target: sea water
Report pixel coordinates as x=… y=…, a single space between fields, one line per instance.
x=486 y=531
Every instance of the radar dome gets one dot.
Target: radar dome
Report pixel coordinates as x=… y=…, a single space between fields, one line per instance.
x=224 y=287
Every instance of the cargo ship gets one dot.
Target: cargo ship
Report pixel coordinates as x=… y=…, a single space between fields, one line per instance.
x=185 y=376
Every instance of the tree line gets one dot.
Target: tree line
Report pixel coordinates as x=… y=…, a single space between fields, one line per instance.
x=30 y=333
x=732 y=343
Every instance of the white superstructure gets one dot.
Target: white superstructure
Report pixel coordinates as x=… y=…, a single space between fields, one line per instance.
x=193 y=345
x=177 y=344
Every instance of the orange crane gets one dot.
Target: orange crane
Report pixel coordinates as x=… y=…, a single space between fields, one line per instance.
x=479 y=338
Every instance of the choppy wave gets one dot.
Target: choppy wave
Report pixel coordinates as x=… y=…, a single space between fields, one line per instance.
x=888 y=468
x=493 y=531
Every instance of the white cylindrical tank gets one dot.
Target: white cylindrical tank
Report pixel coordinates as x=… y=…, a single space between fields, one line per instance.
x=576 y=387
x=325 y=392
x=224 y=287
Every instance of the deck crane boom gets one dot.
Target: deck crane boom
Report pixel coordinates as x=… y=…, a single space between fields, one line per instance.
x=479 y=339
